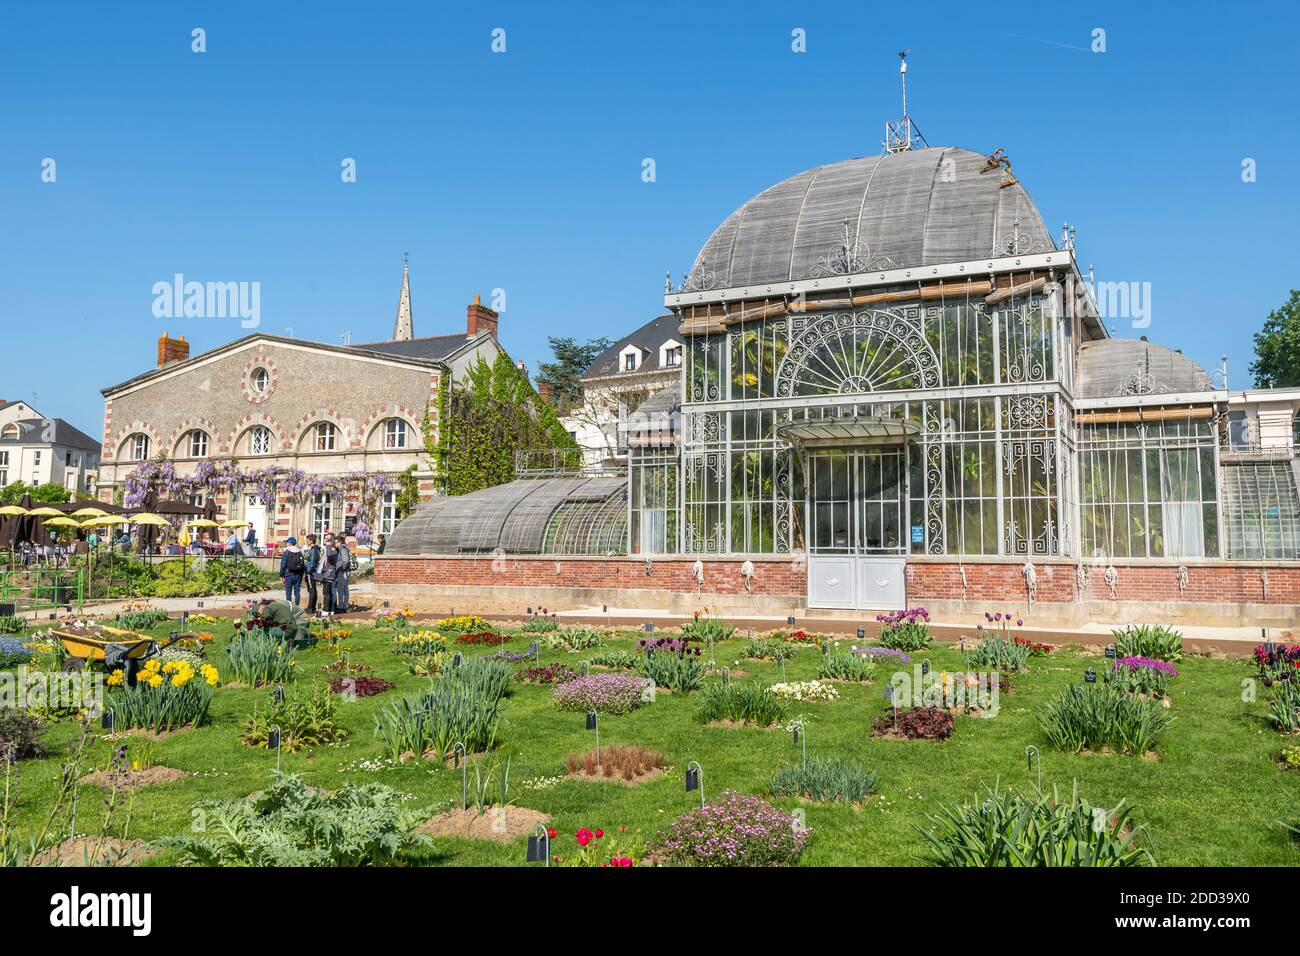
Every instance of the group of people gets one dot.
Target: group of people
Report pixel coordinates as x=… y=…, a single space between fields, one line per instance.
x=326 y=565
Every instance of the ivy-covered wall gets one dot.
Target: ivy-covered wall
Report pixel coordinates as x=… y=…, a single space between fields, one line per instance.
x=482 y=420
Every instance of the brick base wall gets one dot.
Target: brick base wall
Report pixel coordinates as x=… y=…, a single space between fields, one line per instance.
x=1214 y=593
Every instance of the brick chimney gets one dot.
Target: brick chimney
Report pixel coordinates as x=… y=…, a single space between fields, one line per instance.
x=544 y=392
x=172 y=350
x=480 y=319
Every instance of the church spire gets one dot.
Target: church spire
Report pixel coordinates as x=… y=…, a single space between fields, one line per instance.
x=402 y=328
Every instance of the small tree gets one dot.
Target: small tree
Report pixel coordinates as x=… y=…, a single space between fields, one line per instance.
x=564 y=375
x=1277 y=347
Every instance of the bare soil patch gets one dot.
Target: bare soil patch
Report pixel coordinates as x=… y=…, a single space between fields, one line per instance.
x=104 y=851
x=135 y=779
x=501 y=824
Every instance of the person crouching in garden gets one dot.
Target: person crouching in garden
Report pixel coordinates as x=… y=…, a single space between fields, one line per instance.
x=292 y=567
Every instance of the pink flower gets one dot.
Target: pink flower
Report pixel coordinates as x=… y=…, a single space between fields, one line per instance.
x=599 y=834
x=584 y=836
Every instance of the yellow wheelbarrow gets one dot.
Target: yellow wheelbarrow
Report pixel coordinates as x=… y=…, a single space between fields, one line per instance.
x=111 y=646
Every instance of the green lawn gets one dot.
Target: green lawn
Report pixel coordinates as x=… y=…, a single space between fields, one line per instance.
x=1213 y=798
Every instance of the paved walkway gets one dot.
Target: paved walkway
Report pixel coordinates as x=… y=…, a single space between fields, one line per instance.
x=1232 y=641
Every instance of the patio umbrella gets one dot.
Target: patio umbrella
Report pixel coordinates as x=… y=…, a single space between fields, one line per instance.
x=63 y=522
x=152 y=520
x=233 y=524
x=89 y=512
x=202 y=523
x=45 y=511
x=13 y=510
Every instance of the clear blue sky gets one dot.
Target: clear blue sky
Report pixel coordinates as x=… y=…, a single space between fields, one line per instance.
x=523 y=171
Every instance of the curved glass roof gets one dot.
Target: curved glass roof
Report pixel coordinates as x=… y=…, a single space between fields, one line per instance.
x=565 y=515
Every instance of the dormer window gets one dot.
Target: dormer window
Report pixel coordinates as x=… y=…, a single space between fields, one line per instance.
x=629 y=360
x=670 y=354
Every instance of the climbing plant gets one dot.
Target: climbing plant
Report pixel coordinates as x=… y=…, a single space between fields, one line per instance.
x=483 y=419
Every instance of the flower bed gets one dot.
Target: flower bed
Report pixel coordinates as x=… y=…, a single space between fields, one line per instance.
x=604 y=693
x=166 y=697
x=547 y=674
x=905 y=630
x=485 y=638
x=806 y=690
x=360 y=686
x=915 y=723
x=735 y=830
x=13 y=652
x=1141 y=675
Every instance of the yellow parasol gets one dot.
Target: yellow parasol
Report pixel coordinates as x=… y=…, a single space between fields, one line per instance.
x=157 y=521
x=13 y=510
x=90 y=513
x=107 y=521
x=202 y=523
x=45 y=511
x=230 y=525
x=63 y=522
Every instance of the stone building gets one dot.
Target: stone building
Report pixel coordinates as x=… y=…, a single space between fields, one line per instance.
x=36 y=450
x=290 y=435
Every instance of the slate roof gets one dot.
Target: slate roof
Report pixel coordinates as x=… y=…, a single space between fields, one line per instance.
x=434 y=348
x=64 y=434
x=648 y=338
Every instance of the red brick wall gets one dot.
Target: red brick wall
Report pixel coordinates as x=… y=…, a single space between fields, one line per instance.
x=926 y=581
x=677 y=574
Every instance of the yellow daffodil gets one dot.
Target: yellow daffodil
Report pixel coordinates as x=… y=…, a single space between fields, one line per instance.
x=116 y=678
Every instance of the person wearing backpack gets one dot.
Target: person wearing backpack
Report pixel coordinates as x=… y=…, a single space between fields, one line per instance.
x=292 y=567
x=325 y=572
x=312 y=556
x=345 y=564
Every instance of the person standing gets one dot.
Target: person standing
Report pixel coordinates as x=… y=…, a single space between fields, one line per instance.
x=292 y=567
x=342 y=568
x=328 y=566
x=250 y=542
x=312 y=559
x=383 y=542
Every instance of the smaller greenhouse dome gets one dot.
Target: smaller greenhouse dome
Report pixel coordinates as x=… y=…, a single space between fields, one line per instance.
x=561 y=515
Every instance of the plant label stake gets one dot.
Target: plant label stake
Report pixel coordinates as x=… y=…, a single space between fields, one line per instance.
x=783 y=665
x=826 y=646
x=801 y=738
x=695 y=779
x=650 y=627
x=536 y=651
x=109 y=721
x=893 y=701
x=279 y=693
x=862 y=633
x=726 y=676
x=790 y=621
x=457 y=751
x=1090 y=676
x=1032 y=757
x=456 y=661
x=1110 y=651
x=273 y=740
x=539 y=847
x=925 y=667
x=593 y=723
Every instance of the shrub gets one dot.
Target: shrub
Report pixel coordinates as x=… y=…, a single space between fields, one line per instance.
x=905 y=630
x=1284 y=706
x=676 y=673
x=605 y=693
x=625 y=762
x=739 y=704
x=1000 y=653
x=142 y=619
x=427 y=665
x=573 y=639
x=1149 y=640
x=825 y=779
x=462 y=624
x=547 y=674
x=433 y=722
x=845 y=665
x=19 y=733
x=290 y=824
x=305 y=719
x=917 y=723
x=238 y=577
x=484 y=638
x=618 y=659
x=540 y=625
x=13 y=652
x=1007 y=829
x=357 y=687
x=735 y=830
x=257 y=659
x=1096 y=717
x=1141 y=675
x=12 y=624
x=767 y=648
x=705 y=628
x=806 y=691
x=483 y=676
x=418 y=643
x=165 y=697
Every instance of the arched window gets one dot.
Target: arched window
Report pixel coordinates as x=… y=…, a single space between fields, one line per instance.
x=198 y=444
x=137 y=447
x=259 y=440
x=325 y=436
x=10 y=431
x=395 y=433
